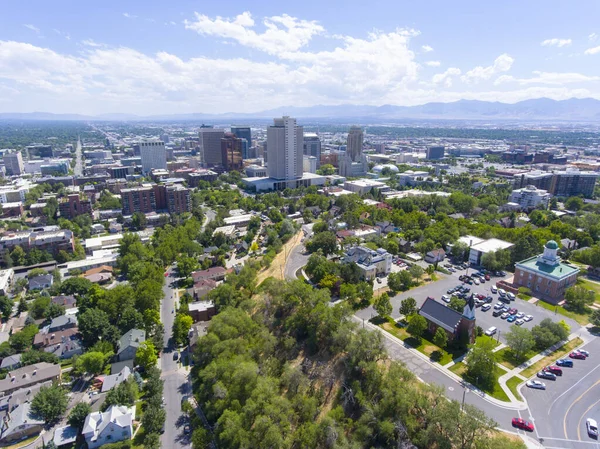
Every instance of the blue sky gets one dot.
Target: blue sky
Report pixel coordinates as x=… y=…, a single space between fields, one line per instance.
x=157 y=57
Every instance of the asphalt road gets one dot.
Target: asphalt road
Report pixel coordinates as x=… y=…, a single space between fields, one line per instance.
x=210 y=216
x=176 y=383
x=296 y=258
x=559 y=412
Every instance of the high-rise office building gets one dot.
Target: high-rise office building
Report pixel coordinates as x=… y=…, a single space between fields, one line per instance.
x=231 y=152
x=13 y=162
x=244 y=133
x=354 y=163
x=285 y=147
x=210 y=146
x=154 y=155
x=312 y=146
x=435 y=152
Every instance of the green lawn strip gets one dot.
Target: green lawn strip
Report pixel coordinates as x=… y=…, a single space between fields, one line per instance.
x=589 y=285
x=458 y=368
x=512 y=384
x=495 y=390
x=485 y=337
x=505 y=358
x=552 y=357
x=582 y=319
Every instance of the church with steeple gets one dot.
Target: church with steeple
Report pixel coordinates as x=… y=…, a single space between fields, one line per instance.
x=455 y=324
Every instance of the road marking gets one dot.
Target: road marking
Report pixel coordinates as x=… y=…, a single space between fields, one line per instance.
x=573 y=386
x=583 y=414
x=572 y=404
x=567 y=440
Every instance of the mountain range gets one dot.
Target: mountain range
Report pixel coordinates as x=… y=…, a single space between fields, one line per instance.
x=573 y=109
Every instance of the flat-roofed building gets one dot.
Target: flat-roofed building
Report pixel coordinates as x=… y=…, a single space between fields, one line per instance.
x=138 y=199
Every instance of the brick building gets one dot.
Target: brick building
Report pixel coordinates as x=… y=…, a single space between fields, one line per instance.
x=138 y=199
x=73 y=205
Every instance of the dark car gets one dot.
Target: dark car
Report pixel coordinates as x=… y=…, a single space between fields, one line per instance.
x=176 y=355
x=554 y=370
x=498 y=312
x=565 y=362
x=577 y=355
x=187 y=429
x=489 y=299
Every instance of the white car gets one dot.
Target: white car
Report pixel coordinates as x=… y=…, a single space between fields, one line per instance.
x=505 y=315
x=445 y=298
x=476 y=281
x=528 y=317
x=494 y=289
x=491 y=331
x=536 y=384
x=486 y=307
x=520 y=315
x=501 y=292
x=583 y=351
x=498 y=306
x=510 y=296
x=592 y=427
x=519 y=322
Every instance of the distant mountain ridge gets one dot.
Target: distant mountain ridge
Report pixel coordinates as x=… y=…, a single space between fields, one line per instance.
x=573 y=109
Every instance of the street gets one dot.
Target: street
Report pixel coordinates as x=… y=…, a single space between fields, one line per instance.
x=176 y=383
x=296 y=258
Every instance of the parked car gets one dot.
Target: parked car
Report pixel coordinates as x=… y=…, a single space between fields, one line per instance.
x=577 y=355
x=505 y=315
x=522 y=424
x=520 y=322
x=583 y=351
x=592 y=427
x=487 y=277
x=494 y=289
x=446 y=298
x=489 y=299
x=511 y=318
x=520 y=315
x=486 y=307
x=546 y=375
x=528 y=317
x=498 y=306
x=554 y=370
x=491 y=331
x=476 y=281
x=450 y=291
x=513 y=311
x=536 y=384
x=497 y=312
x=565 y=362
x=501 y=273
x=501 y=292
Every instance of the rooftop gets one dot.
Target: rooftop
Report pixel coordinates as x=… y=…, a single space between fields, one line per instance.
x=559 y=271
x=441 y=315
x=491 y=245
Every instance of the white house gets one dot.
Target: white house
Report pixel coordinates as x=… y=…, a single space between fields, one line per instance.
x=115 y=424
x=370 y=262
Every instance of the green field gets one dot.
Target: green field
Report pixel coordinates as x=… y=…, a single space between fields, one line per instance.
x=512 y=384
x=582 y=319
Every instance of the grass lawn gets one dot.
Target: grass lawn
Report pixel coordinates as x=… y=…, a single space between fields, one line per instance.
x=495 y=390
x=512 y=384
x=458 y=368
x=485 y=337
x=552 y=357
x=424 y=346
x=589 y=285
x=505 y=358
x=582 y=319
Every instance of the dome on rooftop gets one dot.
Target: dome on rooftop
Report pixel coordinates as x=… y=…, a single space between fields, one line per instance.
x=552 y=244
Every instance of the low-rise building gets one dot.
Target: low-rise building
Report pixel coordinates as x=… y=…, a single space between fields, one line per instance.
x=370 y=262
x=113 y=380
x=28 y=376
x=213 y=273
x=129 y=343
x=20 y=424
x=41 y=282
x=201 y=310
x=435 y=256
x=530 y=197
x=115 y=424
x=486 y=246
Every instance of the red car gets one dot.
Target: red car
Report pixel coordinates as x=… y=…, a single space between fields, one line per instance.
x=554 y=370
x=577 y=355
x=166 y=274
x=522 y=424
x=487 y=277
x=513 y=311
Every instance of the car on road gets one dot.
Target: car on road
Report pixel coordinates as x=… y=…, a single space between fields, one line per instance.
x=565 y=362
x=167 y=274
x=176 y=355
x=528 y=317
x=187 y=429
x=511 y=318
x=520 y=322
x=485 y=307
x=546 y=375
x=583 y=351
x=577 y=355
x=501 y=292
x=446 y=298
x=592 y=427
x=505 y=315
x=510 y=296
x=491 y=331
x=554 y=370
x=522 y=424
x=536 y=384
x=494 y=289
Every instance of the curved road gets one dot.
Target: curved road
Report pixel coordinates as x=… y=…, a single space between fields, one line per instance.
x=296 y=258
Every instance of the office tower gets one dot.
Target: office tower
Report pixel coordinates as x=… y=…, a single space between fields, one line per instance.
x=312 y=147
x=14 y=163
x=284 y=146
x=243 y=132
x=353 y=163
x=309 y=164
x=231 y=152
x=154 y=156
x=210 y=146
x=435 y=152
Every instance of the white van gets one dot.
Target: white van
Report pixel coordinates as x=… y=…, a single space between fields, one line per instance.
x=491 y=331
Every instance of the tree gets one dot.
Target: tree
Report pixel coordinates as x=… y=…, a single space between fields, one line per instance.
x=6 y=306
x=23 y=339
x=400 y=281
x=326 y=170
x=520 y=341
x=324 y=241
x=145 y=355
x=93 y=324
x=574 y=203
x=50 y=403
x=578 y=298
x=496 y=260
x=416 y=272
x=186 y=265
x=457 y=304
x=78 y=414
x=201 y=438
x=75 y=286
x=126 y=393
x=408 y=307
x=460 y=251
x=548 y=333
x=36 y=272
x=181 y=328
x=440 y=338
x=481 y=363
x=382 y=305
x=90 y=362
x=153 y=419
x=18 y=256
x=138 y=220
x=595 y=317
x=416 y=326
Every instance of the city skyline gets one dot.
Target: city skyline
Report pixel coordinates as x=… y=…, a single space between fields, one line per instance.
x=148 y=58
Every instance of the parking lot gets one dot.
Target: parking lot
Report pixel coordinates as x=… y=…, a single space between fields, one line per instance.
x=484 y=319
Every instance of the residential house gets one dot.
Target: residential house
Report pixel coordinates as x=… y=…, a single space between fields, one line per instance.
x=201 y=310
x=113 y=380
x=11 y=362
x=29 y=375
x=201 y=289
x=41 y=282
x=115 y=424
x=404 y=246
x=60 y=323
x=65 y=436
x=370 y=262
x=214 y=273
x=66 y=301
x=129 y=343
x=22 y=395
x=435 y=256
x=385 y=227
x=117 y=367
x=20 y=424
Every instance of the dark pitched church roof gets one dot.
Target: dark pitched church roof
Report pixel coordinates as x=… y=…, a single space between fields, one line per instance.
x=441 y=315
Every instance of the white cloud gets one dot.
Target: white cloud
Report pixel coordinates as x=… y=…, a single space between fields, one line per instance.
x=283 y=33
x=426 y=48
x=502 y=63
x=445 y=78
x=67 y=36
x=548 y=78
x=592 y=51
x=32 y=28
x=91 y=43
x=433 y=63
x=555 y=42
x=593 y=37
x=129 y=16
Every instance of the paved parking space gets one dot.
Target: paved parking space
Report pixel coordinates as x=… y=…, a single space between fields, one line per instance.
x=484 y=319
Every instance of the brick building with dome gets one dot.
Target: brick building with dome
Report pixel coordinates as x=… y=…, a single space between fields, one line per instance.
x=546 y=275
